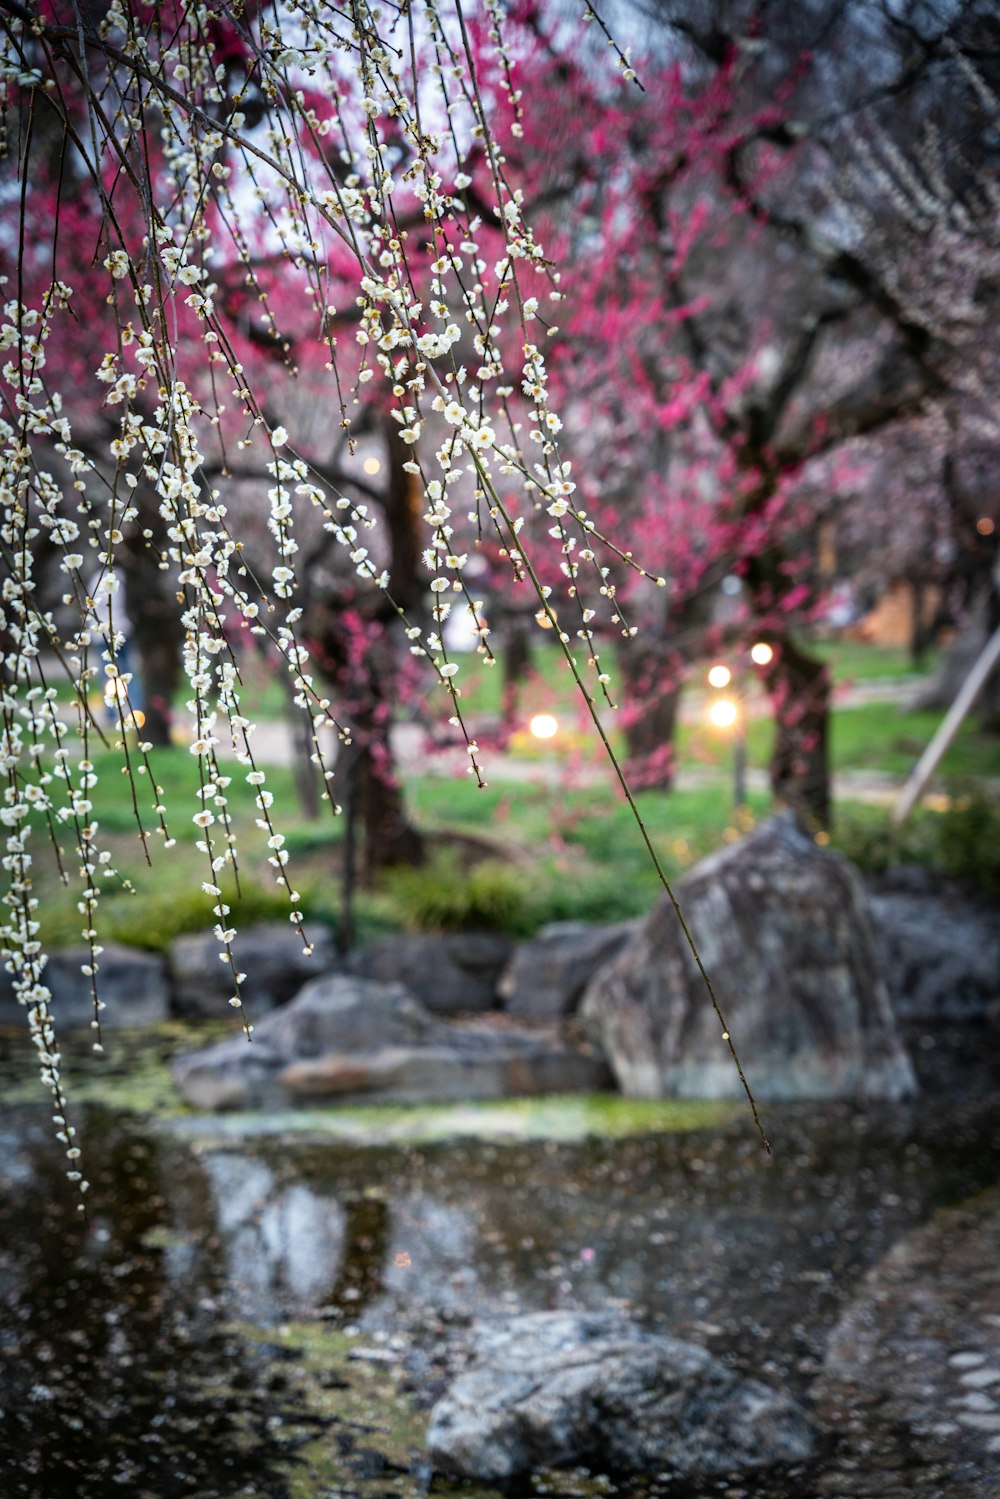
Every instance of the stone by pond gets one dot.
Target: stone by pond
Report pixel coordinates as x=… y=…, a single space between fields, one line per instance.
x=345 y=1036
x=783 y=926
x=561 y=1389
x=270 y=1307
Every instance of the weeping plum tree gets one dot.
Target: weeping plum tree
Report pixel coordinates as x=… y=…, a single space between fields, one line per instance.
x=185 y=150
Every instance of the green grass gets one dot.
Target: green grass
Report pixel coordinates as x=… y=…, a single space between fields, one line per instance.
x=573 y=845
x=854 y=661
x=880 y=737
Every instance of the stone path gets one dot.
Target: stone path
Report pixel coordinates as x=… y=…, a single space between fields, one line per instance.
x=917 y=1356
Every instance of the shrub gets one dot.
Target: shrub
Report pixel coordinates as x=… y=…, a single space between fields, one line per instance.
x=968 y=837
x=441 y=896
x=961 y=840
x=153 y=920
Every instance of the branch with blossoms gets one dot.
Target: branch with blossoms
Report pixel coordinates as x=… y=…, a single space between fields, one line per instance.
x=158 y=152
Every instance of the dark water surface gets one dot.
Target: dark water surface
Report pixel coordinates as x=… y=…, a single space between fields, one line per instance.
x=270 y=1314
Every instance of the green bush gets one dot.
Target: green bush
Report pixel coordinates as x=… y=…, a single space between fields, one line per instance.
x=961 y=840
x=153 y=920
x=441 y=896
x=968 y=837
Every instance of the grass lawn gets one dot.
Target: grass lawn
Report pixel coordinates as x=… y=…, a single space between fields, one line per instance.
x=854 y=661
x=576 y=849
x=879 y=737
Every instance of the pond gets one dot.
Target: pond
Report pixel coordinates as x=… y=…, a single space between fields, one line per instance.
x=269 y=1306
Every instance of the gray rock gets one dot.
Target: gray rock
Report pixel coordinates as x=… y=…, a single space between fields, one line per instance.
x=940 y=954
x=555 y=1389
x=346 y=1037
x=451 y=975
x=271 y=956
x=783 y=931
x=132 y=986
x=546 y=977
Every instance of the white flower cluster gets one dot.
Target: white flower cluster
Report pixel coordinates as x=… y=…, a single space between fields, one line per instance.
x=362 y=127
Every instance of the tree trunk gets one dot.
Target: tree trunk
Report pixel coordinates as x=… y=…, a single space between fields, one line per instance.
x=155 y=615
x=387 y=835
x=358 y=660
x=799 y=686
x=515 y=634
x=940 y=691
x=653 y=679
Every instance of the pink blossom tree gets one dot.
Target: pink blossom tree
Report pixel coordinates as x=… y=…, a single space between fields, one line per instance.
x=746 y=307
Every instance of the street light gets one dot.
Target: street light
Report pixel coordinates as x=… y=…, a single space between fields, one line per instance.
x=723 y=713
x=543 y=726
x=728 y=713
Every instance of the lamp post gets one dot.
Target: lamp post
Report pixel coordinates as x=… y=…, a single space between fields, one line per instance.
x=730 y=712
x=544 y=727
x=727 y=713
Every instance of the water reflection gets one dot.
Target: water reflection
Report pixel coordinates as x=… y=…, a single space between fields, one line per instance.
x=148 y=1355
x=281 y=1245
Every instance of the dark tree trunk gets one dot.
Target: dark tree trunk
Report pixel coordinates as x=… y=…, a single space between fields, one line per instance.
x=940 y=691
x=920 y=630
x=799 y=686
x=155 y=614
x=516 y=662
x=367 y=682
x=653 y=680
x=366 y=688
x=387 y=835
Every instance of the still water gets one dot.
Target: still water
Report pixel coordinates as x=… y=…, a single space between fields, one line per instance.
x=267 y=1308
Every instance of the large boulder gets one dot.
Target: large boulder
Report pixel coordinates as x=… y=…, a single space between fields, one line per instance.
x=270 y=954
x=940 y=951
x=451 y=975
x=783 y=931
x=546 y=977
x=346 y=1037
x=555 y=1389
x=132 y=986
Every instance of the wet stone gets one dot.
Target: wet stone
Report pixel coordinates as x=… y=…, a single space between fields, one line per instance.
x=980 y=1422
x=977 y=1402
x=557 y=1389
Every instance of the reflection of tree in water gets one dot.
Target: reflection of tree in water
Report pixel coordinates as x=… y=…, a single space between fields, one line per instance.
x=366 y=1245
x=288 y=1246
x=109 y=1346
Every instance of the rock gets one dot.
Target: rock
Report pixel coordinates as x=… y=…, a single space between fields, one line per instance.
x=271 y=956
x=475 y=1065
x=451 y=975
x=132 y=986
x=346 y=1037
x=940 y=953
x=783 y=931
x=545 y=978
x=555 y=1389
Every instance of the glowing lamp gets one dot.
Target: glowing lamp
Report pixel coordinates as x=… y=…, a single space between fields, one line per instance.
x=761 y=654
x=723 y=713
x=544 y=726
x=719 y=676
